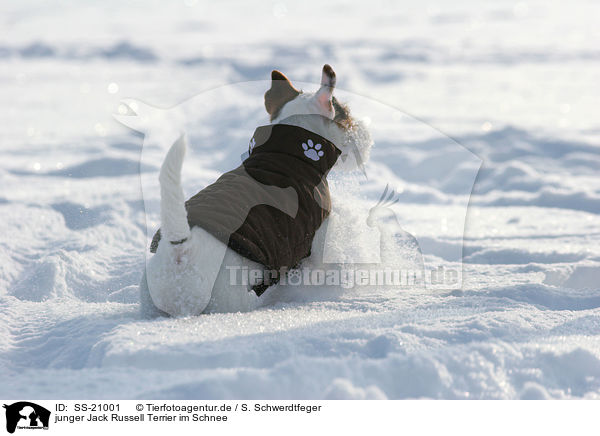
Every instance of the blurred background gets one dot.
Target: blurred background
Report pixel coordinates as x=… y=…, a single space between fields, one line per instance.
x=462 y=66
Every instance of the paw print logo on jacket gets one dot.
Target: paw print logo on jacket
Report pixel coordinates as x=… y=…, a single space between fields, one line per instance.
x=312 y=151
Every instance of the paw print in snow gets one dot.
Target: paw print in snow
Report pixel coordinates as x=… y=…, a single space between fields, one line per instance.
x=312 y=151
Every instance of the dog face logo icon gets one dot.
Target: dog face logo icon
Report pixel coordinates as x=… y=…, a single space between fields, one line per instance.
x=26 y=415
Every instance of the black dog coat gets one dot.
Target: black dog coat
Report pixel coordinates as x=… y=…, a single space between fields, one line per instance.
x=270 y=207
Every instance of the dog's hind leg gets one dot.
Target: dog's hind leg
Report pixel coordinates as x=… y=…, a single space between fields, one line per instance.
x=147 y=308
x=180 y=277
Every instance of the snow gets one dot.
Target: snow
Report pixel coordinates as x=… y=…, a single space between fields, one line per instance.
x=512 y=86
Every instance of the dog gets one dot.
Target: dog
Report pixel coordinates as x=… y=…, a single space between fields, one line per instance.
x=259 y=217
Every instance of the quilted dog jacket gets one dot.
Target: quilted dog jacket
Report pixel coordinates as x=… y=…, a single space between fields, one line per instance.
x=269 y=208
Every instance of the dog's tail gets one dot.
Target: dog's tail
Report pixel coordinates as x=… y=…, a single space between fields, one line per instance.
x=173 y=215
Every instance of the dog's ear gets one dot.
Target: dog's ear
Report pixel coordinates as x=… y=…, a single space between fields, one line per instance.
x=325 y=94
x=280 y=93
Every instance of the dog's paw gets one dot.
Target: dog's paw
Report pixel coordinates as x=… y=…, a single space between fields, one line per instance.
x=312 y=151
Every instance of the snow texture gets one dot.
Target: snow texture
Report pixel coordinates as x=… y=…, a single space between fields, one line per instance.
x=513 y=86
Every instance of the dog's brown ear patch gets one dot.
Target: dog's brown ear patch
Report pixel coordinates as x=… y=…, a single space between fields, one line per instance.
x=280 y=93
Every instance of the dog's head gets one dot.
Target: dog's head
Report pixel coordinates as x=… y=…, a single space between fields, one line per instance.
x=283 y=101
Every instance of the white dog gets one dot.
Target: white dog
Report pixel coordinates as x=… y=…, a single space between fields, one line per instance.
x=191 y=271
